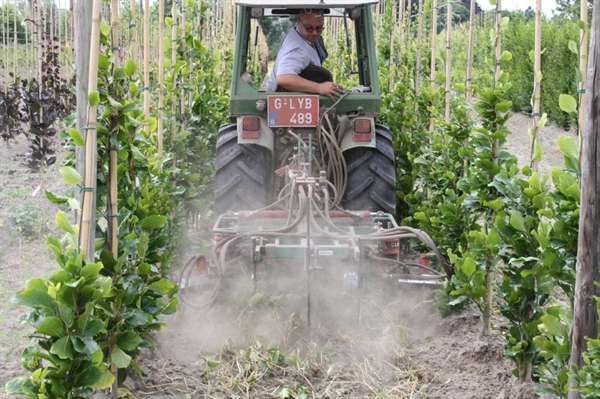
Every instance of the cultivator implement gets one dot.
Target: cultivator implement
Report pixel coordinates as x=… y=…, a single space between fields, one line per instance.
x=301 y=245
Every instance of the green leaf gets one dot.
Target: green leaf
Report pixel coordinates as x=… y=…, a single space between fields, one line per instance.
x=568 y=146
x=506 y=56
x=92 y=328
x=15 y=386
x=468 y=267
x=153 y=221
x=504 y=106
x=129 y=341
x=94 y=98
x=63 y=222
x=517 y=221
x=77 y=137
x=91 y=271
x=35 y=298
x=63 y=348
x=162 y=286
x=130 y=67
x=54 y=198
x=120 y=358
x=573 y=47
x=70 y=175
x=52 y=326
x=152 y=124
x=95 y=377
x=567 y=103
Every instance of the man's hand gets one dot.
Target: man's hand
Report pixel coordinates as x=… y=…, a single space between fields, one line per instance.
x=331 y=90
x=293 y=82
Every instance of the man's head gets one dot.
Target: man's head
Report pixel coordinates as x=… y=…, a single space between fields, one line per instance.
x=311 y=24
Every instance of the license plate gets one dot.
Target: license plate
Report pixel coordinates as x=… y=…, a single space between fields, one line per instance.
x=293 y=111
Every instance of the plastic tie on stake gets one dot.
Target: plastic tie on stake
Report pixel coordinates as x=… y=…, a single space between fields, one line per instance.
x=84 y=189
x=535 y=114
x=132 y=25
x=86 y=127
x=580 y=91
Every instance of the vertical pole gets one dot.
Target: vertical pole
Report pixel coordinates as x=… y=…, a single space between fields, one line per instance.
x=537 y=69
x=583 y=49
x=469 y=78
x=173 y=62
x=419 y=39
x=133 y=33
x=400 y=29
x=88 y=212
x=161 y=73
x=146 y=62
x=487 y=325
x=391 y=60
x=432 y=72
x=448 y=58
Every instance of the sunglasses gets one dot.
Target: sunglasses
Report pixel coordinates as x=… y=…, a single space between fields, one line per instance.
x=310 y=28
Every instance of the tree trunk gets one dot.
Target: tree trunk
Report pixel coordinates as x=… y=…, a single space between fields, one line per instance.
x=585 y=315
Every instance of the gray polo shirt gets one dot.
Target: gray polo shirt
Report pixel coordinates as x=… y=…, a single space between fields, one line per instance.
x=295 y=54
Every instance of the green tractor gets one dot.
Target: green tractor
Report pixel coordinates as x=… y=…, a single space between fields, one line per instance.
x=306 y=185
x=345 y=139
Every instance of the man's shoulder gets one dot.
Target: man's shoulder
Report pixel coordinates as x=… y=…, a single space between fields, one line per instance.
x=293 y=40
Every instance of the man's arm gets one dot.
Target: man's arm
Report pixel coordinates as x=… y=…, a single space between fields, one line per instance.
x=293 y=82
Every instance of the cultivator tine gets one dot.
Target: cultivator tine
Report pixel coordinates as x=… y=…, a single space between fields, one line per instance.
x=307 y=263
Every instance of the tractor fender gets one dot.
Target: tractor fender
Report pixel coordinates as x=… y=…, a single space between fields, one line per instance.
x=348 y=137
x=266 y=138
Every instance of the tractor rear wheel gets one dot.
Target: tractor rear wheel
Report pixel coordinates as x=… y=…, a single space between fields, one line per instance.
x=243 y=174
x=372 y=175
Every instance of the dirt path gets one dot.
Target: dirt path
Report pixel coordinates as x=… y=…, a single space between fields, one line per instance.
x=416 y=353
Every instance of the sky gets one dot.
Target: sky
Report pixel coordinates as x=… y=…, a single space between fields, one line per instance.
x=547 y=5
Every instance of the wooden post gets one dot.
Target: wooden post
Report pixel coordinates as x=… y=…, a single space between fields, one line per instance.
x=133 y=34
x=487 y=325
x=391 y=60
x=400 y=29
x=432 y=73
x=419 y=39
x=173 y=61
x=146 y=62
x=161 y=73
x=537 y=70
x=583 y=42
x=469 y=78
x=88 y=212
x=585 y=315
x=448 y=58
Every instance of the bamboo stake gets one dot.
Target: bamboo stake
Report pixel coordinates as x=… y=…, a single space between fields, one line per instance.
x=86 y=237
x=15 y=44
x=432 y=72
x=113 y=224
x=391 y=60
x=161 y=73
x=5 y=45
x=173 y=62
x=537 y=68
x=583 y=60
x=419 y=39
x=146 y=63
x=448 y=58
x=182 y=104
x=400 y=30
x=469 y=78
x=408 y=15
x=487 y=327
x=133 y=47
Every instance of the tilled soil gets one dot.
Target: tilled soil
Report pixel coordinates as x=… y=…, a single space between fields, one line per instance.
x=411 y=353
